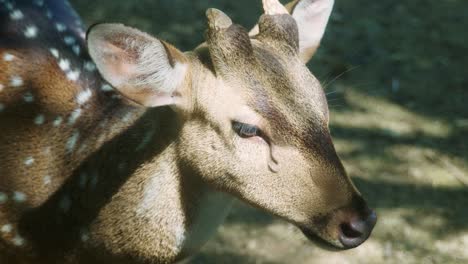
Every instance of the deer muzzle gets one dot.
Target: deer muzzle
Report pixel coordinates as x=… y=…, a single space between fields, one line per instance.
x=343 y=228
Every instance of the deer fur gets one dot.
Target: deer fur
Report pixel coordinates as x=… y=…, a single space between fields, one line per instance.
x=129 y=156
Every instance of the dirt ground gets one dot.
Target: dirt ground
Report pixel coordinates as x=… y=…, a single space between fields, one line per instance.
x=396 y=78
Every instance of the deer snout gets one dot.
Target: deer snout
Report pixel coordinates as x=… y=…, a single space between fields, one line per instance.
x=355 y=230
x=343 y=228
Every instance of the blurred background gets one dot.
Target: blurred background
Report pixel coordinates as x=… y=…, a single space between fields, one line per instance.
x=396 y=77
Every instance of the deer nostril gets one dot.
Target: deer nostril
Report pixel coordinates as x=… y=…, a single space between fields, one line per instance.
x=348 y=231
x=356 y=231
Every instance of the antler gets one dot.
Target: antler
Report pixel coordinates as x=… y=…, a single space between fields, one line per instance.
x=217 y=19
x=274 y=7
x=229 y=43
x=277 y=27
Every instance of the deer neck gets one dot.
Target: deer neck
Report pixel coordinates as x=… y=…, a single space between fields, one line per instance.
x=128 y=185
x=166 y=202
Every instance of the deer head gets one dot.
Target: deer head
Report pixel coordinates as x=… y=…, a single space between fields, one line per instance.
x=253 y=119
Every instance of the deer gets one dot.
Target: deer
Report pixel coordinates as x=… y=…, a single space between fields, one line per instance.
x=117 y=147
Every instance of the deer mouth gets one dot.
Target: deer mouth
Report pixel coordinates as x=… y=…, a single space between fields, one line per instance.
x=320 y=242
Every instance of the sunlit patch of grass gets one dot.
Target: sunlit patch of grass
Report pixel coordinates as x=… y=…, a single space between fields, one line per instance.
x=372 y=112
x=413 y=241
x=402 y=139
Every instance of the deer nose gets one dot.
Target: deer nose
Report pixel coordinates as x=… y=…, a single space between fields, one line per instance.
x=357 y=229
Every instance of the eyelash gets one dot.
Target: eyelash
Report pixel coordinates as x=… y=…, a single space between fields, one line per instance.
x=245 y=130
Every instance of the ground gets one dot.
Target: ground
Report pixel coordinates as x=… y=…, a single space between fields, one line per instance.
x=395 y=74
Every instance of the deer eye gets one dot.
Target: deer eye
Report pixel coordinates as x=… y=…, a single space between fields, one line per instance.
x=245 y=130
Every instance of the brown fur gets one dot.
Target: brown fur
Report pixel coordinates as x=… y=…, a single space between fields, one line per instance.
x=127 y=184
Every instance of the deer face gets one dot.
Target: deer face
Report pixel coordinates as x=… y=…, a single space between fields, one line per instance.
x=254 y=120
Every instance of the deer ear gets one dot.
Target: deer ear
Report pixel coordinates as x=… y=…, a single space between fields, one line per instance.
x=311 y=17
x=146 y=70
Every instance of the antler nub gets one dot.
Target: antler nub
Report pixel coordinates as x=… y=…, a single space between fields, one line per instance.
x=217 y=19
x=274 y=7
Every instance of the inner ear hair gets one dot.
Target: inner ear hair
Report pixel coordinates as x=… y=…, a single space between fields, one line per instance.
x=144 y=69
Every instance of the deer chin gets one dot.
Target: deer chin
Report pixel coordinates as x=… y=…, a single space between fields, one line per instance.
x=320 y=242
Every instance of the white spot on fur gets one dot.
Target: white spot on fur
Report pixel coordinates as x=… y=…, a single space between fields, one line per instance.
x=8 y=57
x=18 y=241
x=39 y=120
x=9 y=6
x=94 y=180
x=57 y=121
x=16 y=81
x=64 y=64
x=47 y=179
x=84 y=96
x=74 y=116
x=101 y=137
x=73 y=75
x=39 y=3
x=65 y=204
x=29 y=161
x=76 y=49
x=1 y=87
x=28 y=97
x=19 y=197
x=3 y=197
x=84 y=235
x=31 y=31
x=60 y=27
x=46 y=150
x=127 y=117
x=16 y=15
x=49 y=14
x=71 y=142
x=179 y=236
x=54 y=52
x=90 y=66
x=83 y=180
x=7 y=228
x=69 y=40
x=106 y=88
